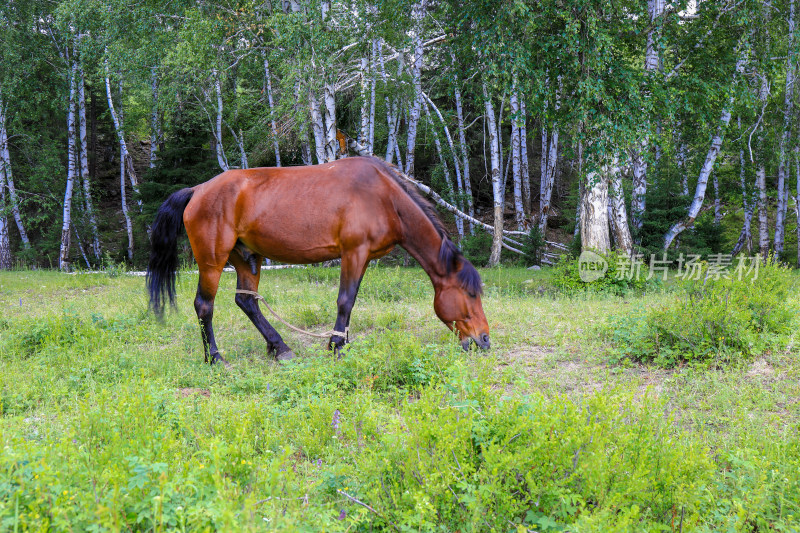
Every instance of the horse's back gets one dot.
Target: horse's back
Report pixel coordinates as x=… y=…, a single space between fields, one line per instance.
x=299 y=214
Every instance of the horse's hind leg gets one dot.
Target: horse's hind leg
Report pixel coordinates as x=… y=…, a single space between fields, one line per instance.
x=204 y=306
x=248 y=280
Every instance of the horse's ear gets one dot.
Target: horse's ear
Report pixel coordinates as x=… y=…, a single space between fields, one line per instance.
x=449 y=255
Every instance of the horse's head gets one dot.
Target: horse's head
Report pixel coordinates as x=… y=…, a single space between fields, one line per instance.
x=457 y=301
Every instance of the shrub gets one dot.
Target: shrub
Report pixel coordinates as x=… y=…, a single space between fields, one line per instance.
x=719 y=320
x=533 y=246
x=619 y=280
x=477 y=247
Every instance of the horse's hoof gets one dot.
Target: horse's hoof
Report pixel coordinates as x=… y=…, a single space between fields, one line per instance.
x=286 y=355
x=217 y=358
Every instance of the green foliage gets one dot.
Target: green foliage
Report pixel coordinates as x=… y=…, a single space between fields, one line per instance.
x=477 y=247
x=533 y=246
x=620 y=279
x=717 y=321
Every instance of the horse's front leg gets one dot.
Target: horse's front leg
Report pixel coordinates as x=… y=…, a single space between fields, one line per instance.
x=354 y=263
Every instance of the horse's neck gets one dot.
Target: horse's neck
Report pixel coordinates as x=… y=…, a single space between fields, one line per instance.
x=421 y=240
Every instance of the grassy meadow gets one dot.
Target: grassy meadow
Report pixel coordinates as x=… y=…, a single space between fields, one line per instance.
x=110 y=421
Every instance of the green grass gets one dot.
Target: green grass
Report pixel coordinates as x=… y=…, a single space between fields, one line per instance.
x=111 y=421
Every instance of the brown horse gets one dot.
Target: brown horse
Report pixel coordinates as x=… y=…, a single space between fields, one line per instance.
x=357 y=208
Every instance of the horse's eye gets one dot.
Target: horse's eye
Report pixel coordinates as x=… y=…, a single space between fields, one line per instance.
x=471 y=295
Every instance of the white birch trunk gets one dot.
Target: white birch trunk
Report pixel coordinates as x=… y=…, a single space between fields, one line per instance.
x=783 y=167
x=363 y=134
x=391 y=123
x=84 y=165
x=5 y=242
x=125 y=155
x=372 y=82
x=66 y=233
x=797 y=199
x=594 y=214
x=462 y=141
x=702 y=182
x=331 y=144
x=222 y=160
x=453 y=152
x=446 y=171
x=516 y=164
x=638 y=158
x=317 y=127
x=717 y=204
x=523 y=156
x=417 y=14
x=744 y=236
x=155 y=124
x=123 y=192
x=497 y=191
x=548 y=180
x=622 y=233
x=763 y=222
x=271 y=103
x=8 y=178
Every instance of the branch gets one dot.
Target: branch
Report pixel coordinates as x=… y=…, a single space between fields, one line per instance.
x=362 y=504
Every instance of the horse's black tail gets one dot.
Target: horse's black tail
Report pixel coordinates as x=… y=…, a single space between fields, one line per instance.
x=164 y=250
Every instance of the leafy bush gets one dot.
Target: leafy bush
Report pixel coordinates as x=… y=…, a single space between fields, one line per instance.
x=533 y=246
x=709 y=320
x=619 y=280
x=477 y=247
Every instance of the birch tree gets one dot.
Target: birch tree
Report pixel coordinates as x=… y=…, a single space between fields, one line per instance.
x=6 y=174
x=497 y=190
x=84 y=164
x=417 y=15
x=788 y=107
x=66 y=226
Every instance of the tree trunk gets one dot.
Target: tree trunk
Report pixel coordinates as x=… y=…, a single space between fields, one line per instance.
x=372 y=82
x=84 y=165
x=516 y=164
x=548 y=180
x=363 y=134
x=7 y=176
x=125 y=155
x=123 y=192
x=639 y=153
x=417 y=15
x=391 y=121
x=155 y=124
x=744 y=237
x=717 y=205
x=317 y=127
x=446 y=171
x=523 y=156
x=464 y=153
x=271 y=103
x=702 y=182
x=456 y=165
x=66 y=233
x=622 y=233
x=783 y=170
x=220 y=149
x=761 y=179
x=331 y=144
x=763 y=223
x=497 y=191
x=5 y=243
x=594 y=214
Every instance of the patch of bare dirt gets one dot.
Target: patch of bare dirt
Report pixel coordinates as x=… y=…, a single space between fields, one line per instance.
x=191 y=391
x=760 y=369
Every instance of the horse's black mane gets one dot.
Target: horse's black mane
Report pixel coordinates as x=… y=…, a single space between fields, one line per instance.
x=449 y=254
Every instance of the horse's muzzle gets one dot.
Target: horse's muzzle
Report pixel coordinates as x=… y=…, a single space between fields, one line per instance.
x=481 y=341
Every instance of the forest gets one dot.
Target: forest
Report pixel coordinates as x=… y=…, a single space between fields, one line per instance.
x=645 y=127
